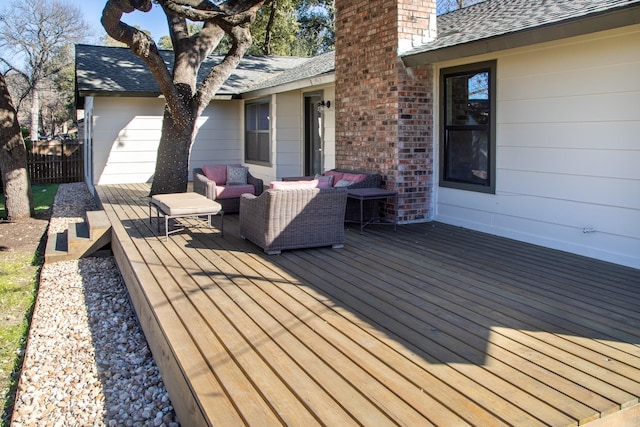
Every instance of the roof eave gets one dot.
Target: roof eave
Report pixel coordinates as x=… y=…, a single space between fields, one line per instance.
x=296 y=85
x=575 y=27
x=115 y=94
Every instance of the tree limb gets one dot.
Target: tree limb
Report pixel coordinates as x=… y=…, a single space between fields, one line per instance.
x=231 y=12
x=269 y=28
x=230 y=16
x=190 y=50
x=143 y=46
x=241 y=37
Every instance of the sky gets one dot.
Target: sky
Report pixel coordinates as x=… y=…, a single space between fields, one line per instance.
x=154 y=20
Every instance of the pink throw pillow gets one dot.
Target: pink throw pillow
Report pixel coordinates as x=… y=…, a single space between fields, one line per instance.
x=216 y=173
x=323 y=183
x=354 y=177
x=337 y=176
x=284 y=185
x=328 y=179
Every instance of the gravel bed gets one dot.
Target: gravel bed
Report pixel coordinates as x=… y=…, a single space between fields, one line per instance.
x=87 y=362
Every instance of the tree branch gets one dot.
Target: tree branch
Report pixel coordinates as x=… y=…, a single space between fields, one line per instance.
x=190 y=51
x=202 y=43
x=143 y=46
x=198 y=11
x=269 y=29
x=228 y=17
x=230 y=12
x=241 y=37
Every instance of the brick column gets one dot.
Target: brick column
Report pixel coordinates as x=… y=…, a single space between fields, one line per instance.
x=384 y=112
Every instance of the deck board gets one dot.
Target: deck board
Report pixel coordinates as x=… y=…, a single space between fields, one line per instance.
x=406 y=321
x=428 y=325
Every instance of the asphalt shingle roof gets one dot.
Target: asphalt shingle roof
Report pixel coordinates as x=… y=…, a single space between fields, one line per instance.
x=117 y=70
x=493 y=18
x=102 y=69
x=312 y=67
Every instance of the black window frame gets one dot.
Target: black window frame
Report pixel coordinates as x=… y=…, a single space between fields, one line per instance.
x=254 y=133
x=446 y=128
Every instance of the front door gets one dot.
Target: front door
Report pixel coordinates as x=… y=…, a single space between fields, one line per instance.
x=313 y=133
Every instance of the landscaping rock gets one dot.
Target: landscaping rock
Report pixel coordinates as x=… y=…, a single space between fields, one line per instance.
x=87 y=362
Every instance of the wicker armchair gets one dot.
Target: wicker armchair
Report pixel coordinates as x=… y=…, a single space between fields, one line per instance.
x=294 y=218
x=206 y=187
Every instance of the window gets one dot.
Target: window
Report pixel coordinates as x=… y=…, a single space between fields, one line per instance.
x=257 y=148
x=467 y=135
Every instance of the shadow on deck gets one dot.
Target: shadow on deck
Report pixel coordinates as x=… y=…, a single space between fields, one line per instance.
x=429 y=325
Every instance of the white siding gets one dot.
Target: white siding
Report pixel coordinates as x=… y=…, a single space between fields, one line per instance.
x=329 y=137
x=127 y=132
x=293 y=150
x=287 y=134
x=568 y=149
x=219 y=136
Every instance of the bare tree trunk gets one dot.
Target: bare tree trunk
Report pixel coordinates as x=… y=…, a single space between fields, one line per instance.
x=13 y=160
x=35 y=113
x=269 y=29
x=172 y=164
x=184 y=101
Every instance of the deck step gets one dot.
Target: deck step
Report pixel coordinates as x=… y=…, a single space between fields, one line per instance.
x=83 y=239
x=98 y=223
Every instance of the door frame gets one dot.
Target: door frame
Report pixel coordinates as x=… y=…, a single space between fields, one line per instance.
x=313 y=119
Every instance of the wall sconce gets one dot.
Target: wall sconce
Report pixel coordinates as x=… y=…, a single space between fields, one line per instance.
x=322 y=104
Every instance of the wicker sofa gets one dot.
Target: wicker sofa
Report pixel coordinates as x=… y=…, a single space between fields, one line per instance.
x=227 y=196
x=294 y=218
x=370 y=180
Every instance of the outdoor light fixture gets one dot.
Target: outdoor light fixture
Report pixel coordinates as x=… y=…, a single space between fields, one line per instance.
x=322 y=104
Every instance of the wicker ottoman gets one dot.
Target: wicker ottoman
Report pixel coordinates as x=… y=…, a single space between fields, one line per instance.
x=181 y=205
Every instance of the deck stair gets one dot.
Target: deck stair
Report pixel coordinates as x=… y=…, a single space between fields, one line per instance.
x=82 y=239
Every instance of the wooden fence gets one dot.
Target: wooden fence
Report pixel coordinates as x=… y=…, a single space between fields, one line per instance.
x=56 y=162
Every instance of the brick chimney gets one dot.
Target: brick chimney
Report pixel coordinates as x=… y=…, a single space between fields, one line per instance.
x=384 y=120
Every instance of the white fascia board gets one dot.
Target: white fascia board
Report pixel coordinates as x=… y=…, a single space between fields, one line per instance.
x=299 y=84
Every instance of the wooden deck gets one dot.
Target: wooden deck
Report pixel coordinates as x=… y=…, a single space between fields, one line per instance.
x=429 y=325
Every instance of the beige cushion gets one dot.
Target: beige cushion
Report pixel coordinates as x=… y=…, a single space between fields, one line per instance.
x=185 y=204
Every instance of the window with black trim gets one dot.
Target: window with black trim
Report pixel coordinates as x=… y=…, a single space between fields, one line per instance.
x=257 y=147
x=467 y=132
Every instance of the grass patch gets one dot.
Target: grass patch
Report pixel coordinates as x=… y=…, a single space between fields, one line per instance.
x=19 y=277
x=43 y=195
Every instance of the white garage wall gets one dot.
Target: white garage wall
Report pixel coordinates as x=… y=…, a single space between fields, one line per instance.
x=127 y=132
x=219 y=137
x=568 y=149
